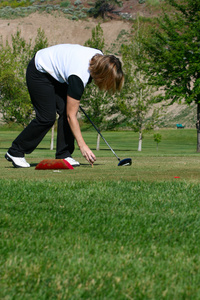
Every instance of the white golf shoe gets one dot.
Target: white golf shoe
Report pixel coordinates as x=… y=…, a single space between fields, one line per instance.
x=72 y=162
x=18 y=162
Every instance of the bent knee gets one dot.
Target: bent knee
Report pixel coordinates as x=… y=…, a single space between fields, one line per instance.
x=47 y=121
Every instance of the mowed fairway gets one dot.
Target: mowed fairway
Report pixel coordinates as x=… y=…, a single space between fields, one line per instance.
x=176 y=157
x=105 y=232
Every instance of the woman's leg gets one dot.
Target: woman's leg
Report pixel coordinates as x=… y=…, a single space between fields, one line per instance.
x=65 y=138
x=42 y=93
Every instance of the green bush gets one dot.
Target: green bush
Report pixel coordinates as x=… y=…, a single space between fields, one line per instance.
x=15 y=104
x=15 y=3
x=65 y=4
x=77 y=2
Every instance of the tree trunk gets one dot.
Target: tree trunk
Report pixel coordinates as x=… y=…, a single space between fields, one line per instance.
x=52 y=137
x=98 y=142
x=140 y=142
x=198 y=126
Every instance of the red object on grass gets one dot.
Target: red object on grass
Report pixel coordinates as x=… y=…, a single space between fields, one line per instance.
x=53 y=164
x=176 y=177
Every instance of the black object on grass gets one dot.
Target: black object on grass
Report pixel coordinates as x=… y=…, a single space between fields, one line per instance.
x=123 y=162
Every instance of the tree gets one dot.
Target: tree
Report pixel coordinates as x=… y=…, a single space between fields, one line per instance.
x=137 y=97
x=173 y=49
x=157 y=138
x=103 y=7
x=97 y=40
x=15 y=103
x=99 y=105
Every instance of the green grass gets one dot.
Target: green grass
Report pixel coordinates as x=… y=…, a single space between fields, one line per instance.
x=105 y=232
x=176 y=156
x=113 y=240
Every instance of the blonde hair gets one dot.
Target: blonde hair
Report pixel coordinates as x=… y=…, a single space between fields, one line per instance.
x=106 y=71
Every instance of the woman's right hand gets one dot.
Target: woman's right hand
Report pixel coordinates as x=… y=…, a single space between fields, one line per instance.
x=88 y=154
x=72 y=110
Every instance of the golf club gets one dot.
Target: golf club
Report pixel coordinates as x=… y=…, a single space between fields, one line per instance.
x=123 y=162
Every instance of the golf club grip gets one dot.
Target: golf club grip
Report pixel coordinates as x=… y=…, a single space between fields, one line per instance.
x=99 y=132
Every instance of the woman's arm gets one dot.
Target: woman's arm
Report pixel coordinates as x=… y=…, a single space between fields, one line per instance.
x=72 y=110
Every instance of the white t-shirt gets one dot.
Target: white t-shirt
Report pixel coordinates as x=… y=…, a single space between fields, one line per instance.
x=64 y=60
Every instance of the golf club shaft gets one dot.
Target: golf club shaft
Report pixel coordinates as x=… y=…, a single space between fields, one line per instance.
x=99 y=132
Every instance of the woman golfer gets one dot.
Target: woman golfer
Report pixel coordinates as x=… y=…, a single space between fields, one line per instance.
x=56 y=78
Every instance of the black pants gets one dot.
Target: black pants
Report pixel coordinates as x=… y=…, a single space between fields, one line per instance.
x=48 y=96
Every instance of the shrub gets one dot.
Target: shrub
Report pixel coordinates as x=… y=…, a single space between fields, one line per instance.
x=65 y=4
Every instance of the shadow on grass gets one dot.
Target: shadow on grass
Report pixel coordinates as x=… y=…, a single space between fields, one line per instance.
x=114 y=150
x=88 y=165
x=93 y=149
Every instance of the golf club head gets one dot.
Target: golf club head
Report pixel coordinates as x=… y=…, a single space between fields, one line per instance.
x=125 y=162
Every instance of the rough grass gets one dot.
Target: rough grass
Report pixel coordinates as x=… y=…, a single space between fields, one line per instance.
x=105 y=232
x=99 y=240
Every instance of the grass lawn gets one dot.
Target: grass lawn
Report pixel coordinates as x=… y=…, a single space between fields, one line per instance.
x=105 y=232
